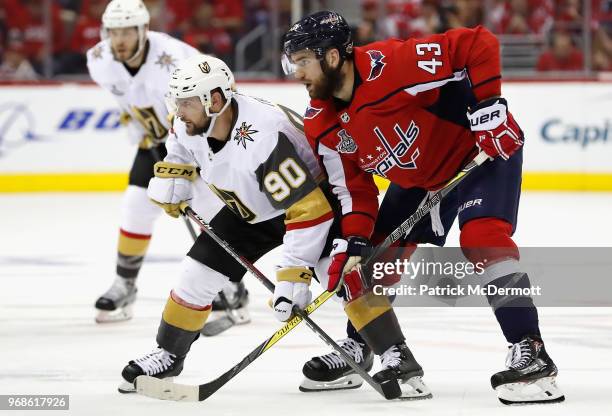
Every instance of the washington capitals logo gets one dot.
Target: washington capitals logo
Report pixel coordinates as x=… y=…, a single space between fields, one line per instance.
x=243 y=133
x=376 y=64
x=403 y=154
x=312 y=112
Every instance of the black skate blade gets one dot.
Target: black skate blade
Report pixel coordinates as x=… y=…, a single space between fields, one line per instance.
x=217 y=326
x=391 y=389
x=527 y=402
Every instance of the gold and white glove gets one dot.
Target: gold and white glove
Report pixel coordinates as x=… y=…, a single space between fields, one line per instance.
x=292 y=289
x=171 y=186
x=148 y=142
x=125 y=118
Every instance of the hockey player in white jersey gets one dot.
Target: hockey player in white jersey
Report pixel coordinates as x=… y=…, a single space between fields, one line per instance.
x=255 y=157
x=134 y=64
x=251 y=156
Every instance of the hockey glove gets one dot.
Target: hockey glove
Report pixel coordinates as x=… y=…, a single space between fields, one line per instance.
x=125 y=118
x=171 y=186
x=495 y=130
x=148 y=142
x=345 y=269
x=292 y=289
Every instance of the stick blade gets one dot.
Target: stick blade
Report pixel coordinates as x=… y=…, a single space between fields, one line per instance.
x=391 y=389
x=217 y=326
x=166 y=390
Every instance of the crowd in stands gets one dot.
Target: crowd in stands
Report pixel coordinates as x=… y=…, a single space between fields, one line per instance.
x=559 y=22
x=214 y=26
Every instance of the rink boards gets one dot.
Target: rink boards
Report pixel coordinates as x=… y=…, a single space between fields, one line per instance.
x=66 y=137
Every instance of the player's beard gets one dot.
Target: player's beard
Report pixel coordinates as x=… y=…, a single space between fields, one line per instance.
x=330 y=80
x=125 y=56
x=193 y=129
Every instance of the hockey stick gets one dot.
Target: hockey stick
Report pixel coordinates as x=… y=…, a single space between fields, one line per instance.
x=387 y=389
x=163 y=389
x=234 y=314
x=227 y=321
x=221 y=324
x=424 y=209
x=167 y=390
x=158 y=158
x=152 y=386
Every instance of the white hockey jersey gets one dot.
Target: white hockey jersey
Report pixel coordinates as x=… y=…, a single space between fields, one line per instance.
x=141 y=95
x=265 y=169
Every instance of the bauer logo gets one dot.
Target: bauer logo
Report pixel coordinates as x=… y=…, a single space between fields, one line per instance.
x=559 y=132
x=80 y=119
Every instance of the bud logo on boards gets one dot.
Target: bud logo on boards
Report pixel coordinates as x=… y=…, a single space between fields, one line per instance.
x=558 y=131
x=79 y=119
x=17 y=126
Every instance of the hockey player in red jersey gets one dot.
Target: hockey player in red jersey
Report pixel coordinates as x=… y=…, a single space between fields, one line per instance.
x=415 y=112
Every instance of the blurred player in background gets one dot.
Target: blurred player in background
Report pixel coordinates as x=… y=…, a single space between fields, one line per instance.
x=134 y=64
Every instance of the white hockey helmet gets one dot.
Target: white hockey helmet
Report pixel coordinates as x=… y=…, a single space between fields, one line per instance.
x=198 y=76
x=127 y=13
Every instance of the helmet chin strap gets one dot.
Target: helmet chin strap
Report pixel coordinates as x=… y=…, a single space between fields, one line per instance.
x=141 y=46
x=213 y=116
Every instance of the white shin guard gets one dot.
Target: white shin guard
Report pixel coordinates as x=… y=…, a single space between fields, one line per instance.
x=138 y=213
x=198 y=283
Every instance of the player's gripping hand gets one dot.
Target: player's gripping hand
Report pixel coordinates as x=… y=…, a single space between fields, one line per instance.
x=496 y=131
x=345 y=268
x=149 y=142
x=292 y=289
x=171 y=186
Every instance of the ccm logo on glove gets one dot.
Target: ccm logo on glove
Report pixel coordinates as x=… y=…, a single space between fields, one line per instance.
x=174 y=170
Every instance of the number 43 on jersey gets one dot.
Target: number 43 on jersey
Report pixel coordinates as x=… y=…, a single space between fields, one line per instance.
x=427 y=50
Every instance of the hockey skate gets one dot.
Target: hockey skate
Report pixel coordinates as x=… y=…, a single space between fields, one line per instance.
x=399 y=363
x=159 y=364
x=230 y=308
x=330 y=371
x=115 y=305
x=530 y=377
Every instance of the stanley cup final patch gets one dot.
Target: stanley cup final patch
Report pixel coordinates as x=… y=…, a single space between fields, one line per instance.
x=346 y=144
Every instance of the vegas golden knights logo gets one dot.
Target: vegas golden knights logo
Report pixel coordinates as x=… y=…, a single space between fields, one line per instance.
x=148 y=119
x=234 y=203
x=204 y=67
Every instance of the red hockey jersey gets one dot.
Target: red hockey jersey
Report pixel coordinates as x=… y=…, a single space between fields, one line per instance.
x=407 y=118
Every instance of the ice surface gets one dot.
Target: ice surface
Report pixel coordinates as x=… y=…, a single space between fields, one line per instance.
x=57 y=254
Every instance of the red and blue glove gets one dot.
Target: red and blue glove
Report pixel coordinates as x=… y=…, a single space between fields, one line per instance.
x=344 y=272
x=495 y=130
